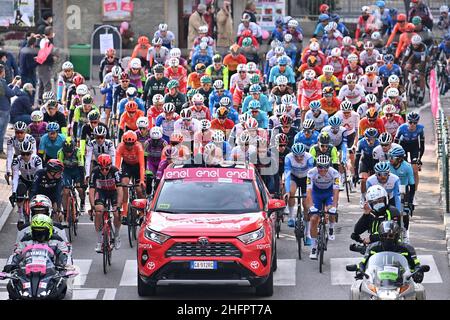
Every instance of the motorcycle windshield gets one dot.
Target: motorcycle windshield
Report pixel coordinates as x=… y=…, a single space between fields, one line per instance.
x=37 y=258
x=386 y=269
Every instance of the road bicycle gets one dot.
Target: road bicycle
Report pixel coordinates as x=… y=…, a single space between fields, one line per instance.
x=108 y=236
x=322 y=238
x=132 y=214
x=299 y=230
x=72 y=212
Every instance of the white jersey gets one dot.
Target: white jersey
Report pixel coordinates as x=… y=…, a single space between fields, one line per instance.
x=391 y=186
x=235 y=133
x=351 y=123
x=380 y=155
x=274 y=121
x=367 y=59
x=353 y=95
x=239 y=154
x=320 y=121
x=26 y=170
x=253 y=27
x=299 y=169
x=274 y=60
x=317 y=181
x=158 y=57
x=189 y=131
x=362 y=109
x=94 y=149
x=370 y=86
x=12 y=148
x=336 y=138
x=238 y=82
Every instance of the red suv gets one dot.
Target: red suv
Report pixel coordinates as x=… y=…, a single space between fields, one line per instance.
x=208 y=225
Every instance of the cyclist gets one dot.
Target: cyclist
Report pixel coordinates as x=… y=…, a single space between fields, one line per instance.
x=153 y=148
x=281 y=149
x=329 y=102
x=260 y=116
x=104 y=184
x=371 y=102
x=206 y=89
x=87 y=132
x=155 y=84
x=108 y=62
x=199 y=110
x=328 y=79
x=371 y=120
x=347 y=47
x=24 y=168
x=170 y=154
x=411 y=136
x=119 y=90
x=393 y=97
x=292 y=109
x=392 y=121
x=72 y=90
x=370 y=81
x=80 y=117
x=405 y=40
x=233 y=115
x=285 y=127
x=307 y=136
x=364 y=159
x=399 y=28
x=316 y=113
x=157 y=53
x=174 y=96
x=296 y=166
x=309 y=89
x=351 y=91
x=350 y=121
x=97 y=146
x=65 y=79
x=13 y=143
x=51 y=142
x=381 y=152
x=131 y=95
x=244 y=150
x=37 y=126
x=322 y=185
x=49 y=182
x=193 y=81
x=389 y=68
x=52 y=114
x=257 y=95
x=167 y=36
x=324 y=147
x=238 y=82
x=177 y=72
x=282 y=69
x=281 y=88
x=183 y=152
x=278 y=111
x=166 y=120
x=106 y=89
x=221 y=122
x=352 y=67
x=369 y=56
x=337 y=62
x=156 y=109
x=238 y=128
x=73 y=161
x=187 y=126
x=366 y=24
x=140 y=50
x=128 y=119
x=390 y=182
x=143 y=130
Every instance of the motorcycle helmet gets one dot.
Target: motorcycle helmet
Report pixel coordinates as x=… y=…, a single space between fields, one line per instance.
x=41 y=228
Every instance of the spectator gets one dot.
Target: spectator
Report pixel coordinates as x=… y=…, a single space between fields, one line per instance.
x=45 y=21
x=6 y=93
x=209 y=18
x=225 y=26
x=4 y=62
x=45 y=68
x=195 y=21
x=127 y=35
x=250 y=8
x=10 y=60
x=419 y=8
x=22 y=106
x=27 y=63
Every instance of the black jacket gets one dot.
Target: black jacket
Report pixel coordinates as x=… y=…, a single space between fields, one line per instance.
x=22 y=105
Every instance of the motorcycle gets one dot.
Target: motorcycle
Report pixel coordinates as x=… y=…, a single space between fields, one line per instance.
x=37 y=277
x=387 y=277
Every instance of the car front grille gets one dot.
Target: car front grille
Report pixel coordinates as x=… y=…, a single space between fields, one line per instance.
x=195 y=249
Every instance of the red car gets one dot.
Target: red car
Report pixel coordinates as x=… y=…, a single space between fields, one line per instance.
x=209 y=225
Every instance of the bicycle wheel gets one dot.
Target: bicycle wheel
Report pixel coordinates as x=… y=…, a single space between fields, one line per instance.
x=131 y=221
x=347 y=189
x=110 y=242
x=299 y=230
x=321 y=245
x=75 y=215
x=69 y=219
x=105 y=248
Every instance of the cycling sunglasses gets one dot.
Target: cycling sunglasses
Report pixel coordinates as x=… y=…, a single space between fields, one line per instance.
x=99 y=137
x=105 y=168
x=382 y=174
x=26 y=154
x=322 y=167
x=412 y=122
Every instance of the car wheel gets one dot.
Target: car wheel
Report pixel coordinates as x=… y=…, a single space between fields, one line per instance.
x=144 y=289
x=266 y=289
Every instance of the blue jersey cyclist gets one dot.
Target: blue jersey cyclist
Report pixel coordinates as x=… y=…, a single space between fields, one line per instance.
x=308 y=136
x=51 y=142
x=322 y=185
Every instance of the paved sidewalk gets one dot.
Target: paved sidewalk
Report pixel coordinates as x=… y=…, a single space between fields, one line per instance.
x=5 y=189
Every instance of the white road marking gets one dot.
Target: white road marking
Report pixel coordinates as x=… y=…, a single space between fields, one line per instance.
x=285 y=274
x=340 y=276
x=3 y=283
x=82 y=266
x=4 y=295
x=129 y=275
x=110 y=294
x=85 y=294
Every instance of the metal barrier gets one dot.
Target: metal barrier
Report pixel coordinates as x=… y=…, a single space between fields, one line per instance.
x=442 y=131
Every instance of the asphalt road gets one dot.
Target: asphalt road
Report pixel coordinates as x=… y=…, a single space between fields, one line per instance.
x=295 y=279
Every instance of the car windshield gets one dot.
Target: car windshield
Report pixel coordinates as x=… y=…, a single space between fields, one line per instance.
x=188 y=196
x=386 y=269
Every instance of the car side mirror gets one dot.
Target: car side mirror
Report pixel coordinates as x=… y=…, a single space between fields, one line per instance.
x=139 y=204
x=351 y=267
x=276 y=204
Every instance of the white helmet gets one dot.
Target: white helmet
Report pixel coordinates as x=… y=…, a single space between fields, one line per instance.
x=366 y=9
x=416 y=39
x=158 y=98
x=392 y=92
x=351 y=77
x=331 y=26
x=314 y=46
x=393 y=78
x=198 y=97
x=205 y=124
x=347 y=41
x=67 y=65
x=203 y=45
x=279 y=50
x=336 y=52
x=293 y=23
x=37 y=116
x=203 y=29
x=142 y=122
x=287 y=37
x=40 y=204
x=368 y=45
x=328 y=69
x=370 y=69
x=287 y=99
x=156 y=133
x=371 y=98
x=251 y=67
x=162 y=27
x=116 y=71
x=352 y=57
x=443 y=8
x=280 y=109
x=135 y=63
x=218 y=136
x=389 y=108
x=82 y=90
x=309 y=74
x=175 y=53
x=280 y=80
x=376 y=192
x=376 y=36
x=241 y=67
x=174 y=62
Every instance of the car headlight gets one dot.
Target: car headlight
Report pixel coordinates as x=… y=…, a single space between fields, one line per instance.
x=154 y=236
x=252 y=236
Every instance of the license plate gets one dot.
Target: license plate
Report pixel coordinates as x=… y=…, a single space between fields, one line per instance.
x=204 y=265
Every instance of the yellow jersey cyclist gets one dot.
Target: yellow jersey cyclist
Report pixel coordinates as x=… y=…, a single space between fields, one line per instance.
x=324 y=147
x=322 y=188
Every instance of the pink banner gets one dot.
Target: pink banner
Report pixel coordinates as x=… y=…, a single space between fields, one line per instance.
x=127 y=6
x=434 y=93
x=108 y=7
x=209 y=173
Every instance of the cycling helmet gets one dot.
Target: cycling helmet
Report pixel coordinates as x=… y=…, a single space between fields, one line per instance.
x=157 y=41
x=168 y=107
x=67 y=65
x=156 y=133
x=351 y=77
x=175 y=53
x=293 y=23
x=159 y=68
x=158 y=98
x=281 y=80
x=280 y=109
x=143 y=40
x=352 y=58
x=111 y=52
x=200 y=68
x=225 y=101
x=254 y=104
x=328 y=69
x=385 y=138
x=397 y=152
x=174 y=62
x=416 y=39
x=336 y=52
x=410 y=27
x=54 y=165
x=124 y=76
x=244 y=138
x=205 y=124
x=281 y=139
x=20 y=126
x=217 y=58
x=176 y=137
x=393 y=79
x=255 y=79
x=298 y=149
x=40 y=204
x=375 y=36
x=162 y=27
x=218 y=136
x=413 y=117
x=170 y=152
x=116 y=71
x=309 y=124
x=222 y=112
x=371 y=69
x=347 y=41
x=198 y=98
x=311 y=61
x=287 y=37
x=77 y=80
x=25 y=146
x=251 y=67
x=135 y=63
x=241 y=67
x=93 y=115
x=389 y=108
x=287 y=99
x=323 y=161
x=371 y=98
x=172 y=84
x=401 y=17
x=366 y=9
x=251 y=123
x=416 y=20
x=218 y=85
x=104 y=160
x=191 y=93
x=87 y=99
x=285 y=120
x=279 y=50
x=443 y=8
x=324 y=138
x=328 y=90
x=371 y=133
x=315 y=105
x=371 y=113
x=69 y=146
x=244 y=117
x=309 y=74
x=131 y=106
x=392 y=93
x=129 y=137
x=324 y=17
x=37 y=116
x=388 y=58
x=368 y=45
x=142 y=122
x=335 y=121
x=382 y=167
x=346 y=105
x=81 y=90
x=50 y=95
x=53 y=127
x=100 y=131
x=314 y=46
x=282 y=61
x=41 y=228
x=186 y=114
x=255 y=88
x=131 y=92
x=331 y=26
x=324 y=8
